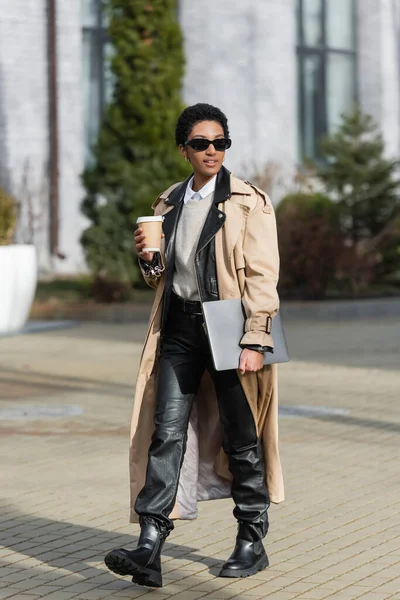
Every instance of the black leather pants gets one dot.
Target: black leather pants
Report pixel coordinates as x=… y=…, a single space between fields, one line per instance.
x=184 y=356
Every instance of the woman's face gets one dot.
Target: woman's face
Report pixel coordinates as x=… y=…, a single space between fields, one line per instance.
x=205 y=163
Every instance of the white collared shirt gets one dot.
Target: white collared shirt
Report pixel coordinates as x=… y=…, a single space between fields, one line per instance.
x=205 y=191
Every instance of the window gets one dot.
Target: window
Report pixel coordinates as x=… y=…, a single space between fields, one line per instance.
x=326 y=68
x=97 y=79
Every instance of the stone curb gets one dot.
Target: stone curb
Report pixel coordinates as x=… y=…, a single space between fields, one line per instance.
x=130 y=313
x=342 y=310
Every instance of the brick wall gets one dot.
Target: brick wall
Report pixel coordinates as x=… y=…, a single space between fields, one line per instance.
x=23 y=104
x=71 y=134
x=242 y=57
x=378 y=66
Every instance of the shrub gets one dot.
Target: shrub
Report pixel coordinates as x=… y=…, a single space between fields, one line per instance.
x=310 y=244
x=8 y=218
x=135 y=157
x=107 y=291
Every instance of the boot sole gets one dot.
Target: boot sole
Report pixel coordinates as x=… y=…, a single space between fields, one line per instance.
x=260 y=565
x=118 y=563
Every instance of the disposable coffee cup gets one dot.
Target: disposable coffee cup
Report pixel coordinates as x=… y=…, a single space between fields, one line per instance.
x=152 y=229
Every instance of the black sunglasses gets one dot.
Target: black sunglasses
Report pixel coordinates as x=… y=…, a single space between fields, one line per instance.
x=201 y=144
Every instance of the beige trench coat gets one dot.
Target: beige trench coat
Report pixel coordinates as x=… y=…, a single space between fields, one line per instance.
x=247 y=267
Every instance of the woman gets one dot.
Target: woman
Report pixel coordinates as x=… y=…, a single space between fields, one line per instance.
x=220 y=243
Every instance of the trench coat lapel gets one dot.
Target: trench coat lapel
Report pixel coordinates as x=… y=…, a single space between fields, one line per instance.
x=236 y=212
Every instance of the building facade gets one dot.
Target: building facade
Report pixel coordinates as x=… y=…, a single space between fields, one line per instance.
x=282 y=70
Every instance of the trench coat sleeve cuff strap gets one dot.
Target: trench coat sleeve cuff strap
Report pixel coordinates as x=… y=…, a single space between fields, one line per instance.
x=257 y=338
x=153 y=269
x=258 y=348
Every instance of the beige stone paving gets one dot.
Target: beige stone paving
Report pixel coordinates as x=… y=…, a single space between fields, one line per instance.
x=64 y=481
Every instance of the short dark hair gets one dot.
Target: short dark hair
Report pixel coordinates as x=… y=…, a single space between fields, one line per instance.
x=195 y=114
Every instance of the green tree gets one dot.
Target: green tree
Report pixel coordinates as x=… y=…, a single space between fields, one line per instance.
x=134 y=158
x=360 y=177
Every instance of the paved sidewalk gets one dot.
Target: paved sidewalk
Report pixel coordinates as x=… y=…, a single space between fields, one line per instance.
x=65 y=406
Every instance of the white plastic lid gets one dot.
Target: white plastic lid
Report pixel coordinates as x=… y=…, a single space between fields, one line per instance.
x=147 y=219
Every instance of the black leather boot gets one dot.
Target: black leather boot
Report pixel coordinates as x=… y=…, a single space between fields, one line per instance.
x=249 y=555
x=143 y=563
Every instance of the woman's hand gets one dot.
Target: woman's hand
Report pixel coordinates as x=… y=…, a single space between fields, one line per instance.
x=250 y=361
x=140 y=243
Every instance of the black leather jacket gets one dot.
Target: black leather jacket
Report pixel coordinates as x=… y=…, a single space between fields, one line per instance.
x=205 y=265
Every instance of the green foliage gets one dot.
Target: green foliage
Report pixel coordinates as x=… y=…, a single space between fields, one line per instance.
x=8 y=218
x=310 y=243
x=68 y=289
x=86 y=289
x=135 y=157
x=359 y=177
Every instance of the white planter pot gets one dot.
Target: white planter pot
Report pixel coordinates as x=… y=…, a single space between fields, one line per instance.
x=18 y=278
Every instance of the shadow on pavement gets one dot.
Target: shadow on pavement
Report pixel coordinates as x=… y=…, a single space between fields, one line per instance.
x=37 y=381
x=129 y=332
x=343 y=420
x=34 y=384
x=74 y=548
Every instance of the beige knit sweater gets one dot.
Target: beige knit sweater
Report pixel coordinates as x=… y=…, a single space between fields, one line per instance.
x=189 y=228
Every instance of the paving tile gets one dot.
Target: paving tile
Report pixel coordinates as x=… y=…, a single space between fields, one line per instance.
x=376 y=596
x=330 y=539
x=60 y=595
